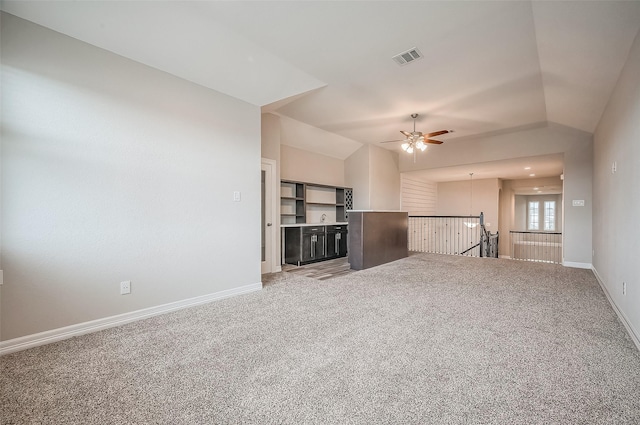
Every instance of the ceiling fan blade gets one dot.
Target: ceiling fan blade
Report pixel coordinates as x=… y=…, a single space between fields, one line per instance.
x=437 y=133
x=406 y=133
x=435 y=142
x=393 y=141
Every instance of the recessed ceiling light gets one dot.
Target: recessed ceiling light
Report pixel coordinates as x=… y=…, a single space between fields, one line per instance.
x=539 y=191
x=532 y=175
x=527 y=168
x=535 y=188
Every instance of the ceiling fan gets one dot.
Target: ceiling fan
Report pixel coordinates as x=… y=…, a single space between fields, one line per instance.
x=417 y=140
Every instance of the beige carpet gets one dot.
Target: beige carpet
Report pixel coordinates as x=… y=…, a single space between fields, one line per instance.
x=428 y=339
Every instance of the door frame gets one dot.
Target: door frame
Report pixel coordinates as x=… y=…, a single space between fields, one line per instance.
x=269 y=166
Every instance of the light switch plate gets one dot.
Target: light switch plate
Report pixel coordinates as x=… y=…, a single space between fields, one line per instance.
x=236 y=196
x=578 y=202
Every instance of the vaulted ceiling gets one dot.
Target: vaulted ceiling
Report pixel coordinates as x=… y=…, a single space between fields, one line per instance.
x=487 y=66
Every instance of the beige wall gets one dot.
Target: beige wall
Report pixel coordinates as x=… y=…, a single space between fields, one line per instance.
x=270 y=134
x=519 y=222
x=616 y=204
x=373 y=174
x=454 y=199
x=356 y=171
x=300 y=165
x=308 y=138
x=577 y=224
x=385 y=179
x=108 y=178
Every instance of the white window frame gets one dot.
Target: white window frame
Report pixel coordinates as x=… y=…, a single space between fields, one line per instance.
x=531 y=225
x=549 y=217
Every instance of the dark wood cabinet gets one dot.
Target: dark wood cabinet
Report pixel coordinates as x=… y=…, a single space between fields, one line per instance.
x=302 y=203
x=336 y=241
x=313 y=244
x=308 y=244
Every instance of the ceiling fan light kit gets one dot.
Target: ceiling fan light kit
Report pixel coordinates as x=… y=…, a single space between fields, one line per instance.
x=409 y=146
x=416 y=141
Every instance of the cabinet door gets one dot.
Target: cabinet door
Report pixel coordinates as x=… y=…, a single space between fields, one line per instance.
x=320 y=251
x=313 y=246
x=292 y=245
x=332 y=245
x=307 y=249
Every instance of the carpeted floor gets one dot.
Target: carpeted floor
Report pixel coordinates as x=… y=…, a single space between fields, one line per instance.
x=429 y=339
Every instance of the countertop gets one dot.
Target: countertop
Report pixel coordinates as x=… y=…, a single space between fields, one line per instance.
x=341 y=223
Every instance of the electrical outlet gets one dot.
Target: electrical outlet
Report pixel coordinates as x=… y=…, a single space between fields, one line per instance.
x=125 y=287
x=624 y=288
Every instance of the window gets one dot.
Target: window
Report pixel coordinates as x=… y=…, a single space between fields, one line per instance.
x=549 y=215
x=534 y=215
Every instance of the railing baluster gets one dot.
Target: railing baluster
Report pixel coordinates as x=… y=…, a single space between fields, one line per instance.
x=460 y=235
x=536 y=246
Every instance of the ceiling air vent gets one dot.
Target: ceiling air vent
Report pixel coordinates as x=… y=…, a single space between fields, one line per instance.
x=408 y=56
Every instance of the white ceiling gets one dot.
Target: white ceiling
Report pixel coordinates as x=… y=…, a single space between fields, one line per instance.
x=488 y=66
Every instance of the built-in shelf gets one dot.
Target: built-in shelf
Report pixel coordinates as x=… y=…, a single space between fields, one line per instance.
x=302 y=202
x=292 y=205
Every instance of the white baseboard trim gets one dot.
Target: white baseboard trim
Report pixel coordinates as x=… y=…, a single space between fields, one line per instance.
x=635 y=336
x=47 y=337
x=578 y=265
x=508 y=257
